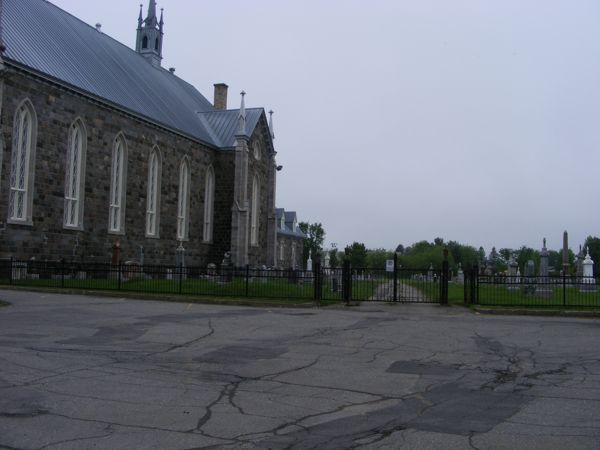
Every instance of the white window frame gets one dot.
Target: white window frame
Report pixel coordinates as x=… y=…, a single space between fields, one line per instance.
x=209 y=205
x=75 y=165
x=183 y=200
x=22 y=164
x=153 y=194
x=281 y=250
x=118 y=182
x=254 y=212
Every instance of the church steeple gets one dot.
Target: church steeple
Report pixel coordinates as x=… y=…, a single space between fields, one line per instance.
x=150 y=35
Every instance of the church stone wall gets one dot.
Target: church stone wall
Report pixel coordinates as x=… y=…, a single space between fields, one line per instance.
x=56 y=109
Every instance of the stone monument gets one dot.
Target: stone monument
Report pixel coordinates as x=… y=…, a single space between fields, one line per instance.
x=579 y=263
x=529 y=281
x=588 y=282
x=309 y=262
x=513 y=274
x=460 y=275
x=543 y=289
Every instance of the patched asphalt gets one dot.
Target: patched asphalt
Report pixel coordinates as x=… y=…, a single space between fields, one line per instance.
x=107 y=373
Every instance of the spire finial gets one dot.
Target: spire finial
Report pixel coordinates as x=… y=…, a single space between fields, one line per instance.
x=271 y=124
x=243 y=115
x=162 y=22
x=140 y=18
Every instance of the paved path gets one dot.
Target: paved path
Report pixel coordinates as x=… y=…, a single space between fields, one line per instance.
x=83 y=372
x=404 y=292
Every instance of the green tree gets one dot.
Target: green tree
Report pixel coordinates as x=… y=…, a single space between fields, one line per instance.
x=357 y=254
x=524 y=254
x=376 y=258
x=313 y=243
x=333 y=258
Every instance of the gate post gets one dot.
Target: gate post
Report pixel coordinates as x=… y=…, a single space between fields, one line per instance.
x=395 y=277
x=444 y=287
x=318 y=283
x=474 y=285
x=346 y=282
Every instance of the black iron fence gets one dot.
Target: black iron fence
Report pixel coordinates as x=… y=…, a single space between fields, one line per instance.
x=326 y=284
x=531 y=291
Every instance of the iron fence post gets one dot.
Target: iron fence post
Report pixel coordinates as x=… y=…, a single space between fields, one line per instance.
x=10 y=271
x=180 y=277
x=62 y=273
x=395 y=277
x=466 y=280
x=247 y=278
x=564 y=288
x=119 y=276
x=444 y=280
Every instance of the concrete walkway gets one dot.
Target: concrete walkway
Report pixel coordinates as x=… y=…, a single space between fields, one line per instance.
x=84 y=372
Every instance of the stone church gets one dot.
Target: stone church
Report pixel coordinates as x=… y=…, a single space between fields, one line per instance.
x=101 y=146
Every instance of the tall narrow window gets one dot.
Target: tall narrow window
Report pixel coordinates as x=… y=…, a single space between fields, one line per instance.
x=209 y=200
x=153 y=196
x=254 y=212
x=183 y=203
x=117 y=186
x=75 y=176
x=22 y=164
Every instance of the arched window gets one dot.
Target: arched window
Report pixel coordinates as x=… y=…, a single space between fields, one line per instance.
x=75 y=176
x=22 y=164
x=117 y=186
x=257 y=150
x=184 y=200
x=145 y=42
x=153 y=195
x=156 y=44
x=281 y=251
x=254 y=224
x=293 y=262
x=209 y=200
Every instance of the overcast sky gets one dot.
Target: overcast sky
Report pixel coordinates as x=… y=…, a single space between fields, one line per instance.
x=398 y=121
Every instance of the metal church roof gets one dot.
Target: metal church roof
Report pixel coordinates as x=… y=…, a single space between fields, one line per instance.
x=43 y=38
x=225 y=124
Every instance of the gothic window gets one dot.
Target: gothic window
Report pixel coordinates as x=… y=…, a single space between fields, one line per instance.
x=156 y=44
x=293 y=255
x=183 y=200
x=281 y=251
x=257 y=151
x=117 y=186
x=75 y=176
x=209 y=200
x=145 y=42
x=22 y=164
x=153 y=194
x=254 y=224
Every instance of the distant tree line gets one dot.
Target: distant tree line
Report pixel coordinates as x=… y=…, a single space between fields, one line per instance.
x=423 y=254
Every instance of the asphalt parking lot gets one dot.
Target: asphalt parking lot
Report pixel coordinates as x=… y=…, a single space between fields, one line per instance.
x=107 y=373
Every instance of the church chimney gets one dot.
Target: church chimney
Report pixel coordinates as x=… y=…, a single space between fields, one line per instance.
x=221 y=96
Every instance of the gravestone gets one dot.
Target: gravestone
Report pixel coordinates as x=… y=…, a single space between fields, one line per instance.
x=513 y=274
x=588 y=282
x=430 y=273
x=579 y=262
x=543 y=288
x=460 y=275
x=529 y=281
x=309 y=262
x=226 y=275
